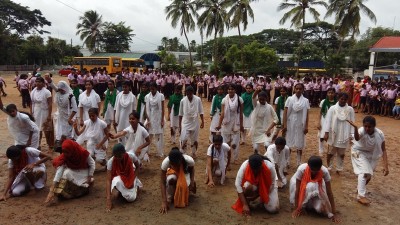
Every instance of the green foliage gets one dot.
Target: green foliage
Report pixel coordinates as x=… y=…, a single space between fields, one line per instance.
x=20 y=20
x=167 y=58
x=257 y=58
x=308 y=52
x=334 y=63
x=89 y=29
x=116 y=37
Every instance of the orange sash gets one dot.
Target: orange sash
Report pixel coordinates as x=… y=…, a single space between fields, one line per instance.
x=304 y=181
x=263 y=181
x=181 y=197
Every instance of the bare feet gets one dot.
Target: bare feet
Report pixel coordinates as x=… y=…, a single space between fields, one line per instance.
x=364 y=201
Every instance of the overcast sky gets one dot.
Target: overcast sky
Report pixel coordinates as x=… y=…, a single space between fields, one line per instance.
x=147 y=18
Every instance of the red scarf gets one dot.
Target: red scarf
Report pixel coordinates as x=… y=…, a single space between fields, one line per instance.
x=21 y=163
x=263 y=181
x=124 y=169
x=77 y=156
x=304 y=181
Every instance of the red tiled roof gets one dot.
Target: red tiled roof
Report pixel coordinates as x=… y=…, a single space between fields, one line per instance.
x=386 y=44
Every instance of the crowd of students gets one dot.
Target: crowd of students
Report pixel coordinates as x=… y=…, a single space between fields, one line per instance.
x=133 y=113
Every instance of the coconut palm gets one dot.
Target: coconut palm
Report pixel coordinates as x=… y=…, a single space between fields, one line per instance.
x=182 y=12
x=214 y=19
x=89 y=28
x=297 y=12
x=239 y=13
x=347 y=16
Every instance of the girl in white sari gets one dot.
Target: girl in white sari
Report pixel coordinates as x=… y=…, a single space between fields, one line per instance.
x=231 y=120
x=263 y=120
x=87 y=100
x=369 y=146
x=155 y=117
x=66 y=109
x=124 y=106
x=295 y=120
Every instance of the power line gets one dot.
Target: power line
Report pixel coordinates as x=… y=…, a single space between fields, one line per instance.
x=70 y=6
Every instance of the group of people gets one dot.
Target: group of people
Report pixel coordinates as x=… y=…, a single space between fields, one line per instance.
x=139 y=120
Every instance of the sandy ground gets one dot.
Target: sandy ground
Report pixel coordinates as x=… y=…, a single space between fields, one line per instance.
x=209 y=205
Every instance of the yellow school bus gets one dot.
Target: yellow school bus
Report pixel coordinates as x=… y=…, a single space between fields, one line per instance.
x=113 y=65
x=134 y=64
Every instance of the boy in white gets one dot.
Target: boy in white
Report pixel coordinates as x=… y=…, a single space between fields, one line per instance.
x=369 y=146
x=263 y=120
x=338 y=131
x=279 y=155
x=218 y=159
x=189 y=110
x=125 y=104
x=310 y=188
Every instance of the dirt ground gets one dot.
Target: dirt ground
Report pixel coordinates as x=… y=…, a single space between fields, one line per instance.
x=209 y=205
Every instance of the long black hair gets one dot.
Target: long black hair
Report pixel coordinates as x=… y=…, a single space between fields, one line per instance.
x=176 y=157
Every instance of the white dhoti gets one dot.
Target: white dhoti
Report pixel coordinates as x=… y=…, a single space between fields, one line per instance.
x=129 y=194
x=22 y=184
x=314 y=198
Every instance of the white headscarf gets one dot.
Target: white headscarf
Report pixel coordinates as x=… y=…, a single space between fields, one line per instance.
x=63 y=99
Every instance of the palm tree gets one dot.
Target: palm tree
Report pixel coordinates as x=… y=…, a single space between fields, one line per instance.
x=239 y=13
x=347 y=16
x=182 y=12
x=164 y=43
x=298 y=12
x=89 y=28
x=214 y=19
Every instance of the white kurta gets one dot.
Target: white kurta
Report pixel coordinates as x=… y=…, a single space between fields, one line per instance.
x=282 y=159
x=222 y=156
x=20 y=127
x=109 y=115
x=129 y=194
x=154 y=112
x=340 y=131
x=231 y=122
x=190 y=112
x=262 y=117
x=33 y=156
x=87 y=102
x=125 y=104
x=65 y=106
x=296 y=121
x=174 y=120
x=40 y=106
x=93 y=133
x=366 y=152
x=215 y=117
x=136 y=139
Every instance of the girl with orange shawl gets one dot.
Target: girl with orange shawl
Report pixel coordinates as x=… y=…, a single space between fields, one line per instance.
x=74 y=172
x=310 y=189
x=256 y=178
x=26 y=170
x=177 y=180
x=121 y=176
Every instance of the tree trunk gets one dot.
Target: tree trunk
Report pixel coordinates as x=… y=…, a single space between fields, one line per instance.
x=241 y=49
x=190 y=52
x=201 y=49
x=340 y=45
x=215 y=54
x=301 y=41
